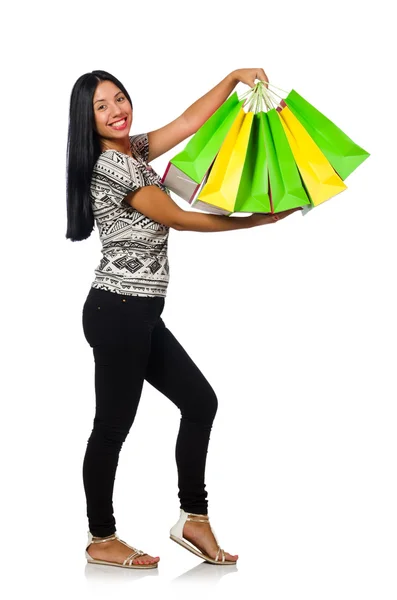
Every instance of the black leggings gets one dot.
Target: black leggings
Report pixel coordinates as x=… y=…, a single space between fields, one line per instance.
x=131 y=343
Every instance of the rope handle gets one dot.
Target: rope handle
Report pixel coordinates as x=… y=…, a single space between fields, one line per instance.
x=261 y=95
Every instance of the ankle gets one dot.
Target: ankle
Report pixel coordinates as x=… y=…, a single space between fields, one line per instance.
x=196 y=518
x=107 y=537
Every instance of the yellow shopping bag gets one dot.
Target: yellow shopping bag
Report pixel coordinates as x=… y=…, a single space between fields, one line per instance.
x=321 y=180
x=224 y=179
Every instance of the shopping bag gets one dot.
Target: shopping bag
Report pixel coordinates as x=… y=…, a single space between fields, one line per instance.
x=286 y=186
x=343 y=154
x=319 y=177
x=223 y=182
x=254 y=193
x=186 y=171
x=196 y=203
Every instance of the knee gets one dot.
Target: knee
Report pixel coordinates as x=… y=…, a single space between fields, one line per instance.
x=204 y=408
x=109 y=435
x=212 y=405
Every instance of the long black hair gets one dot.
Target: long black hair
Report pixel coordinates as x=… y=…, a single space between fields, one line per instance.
x=83 y=150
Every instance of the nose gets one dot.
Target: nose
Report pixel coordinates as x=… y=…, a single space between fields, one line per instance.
x=117 y=112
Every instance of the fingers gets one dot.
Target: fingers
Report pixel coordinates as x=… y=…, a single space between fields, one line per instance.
x=262 y=218
x=285 y=213
x=291 y=210
x=262 y=76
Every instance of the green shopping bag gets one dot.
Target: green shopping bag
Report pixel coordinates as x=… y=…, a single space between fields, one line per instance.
x=343 y=154
x=286 y=186
x=253 y=192
x=196 y=158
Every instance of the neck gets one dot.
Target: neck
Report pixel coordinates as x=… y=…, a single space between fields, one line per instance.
x=123 y=146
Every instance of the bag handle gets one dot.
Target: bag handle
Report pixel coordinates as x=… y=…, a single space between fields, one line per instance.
x=261 y=94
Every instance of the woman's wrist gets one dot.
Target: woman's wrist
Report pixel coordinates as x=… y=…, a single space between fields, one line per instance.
x=233 y=78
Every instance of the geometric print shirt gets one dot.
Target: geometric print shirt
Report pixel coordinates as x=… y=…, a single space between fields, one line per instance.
x=134 y=248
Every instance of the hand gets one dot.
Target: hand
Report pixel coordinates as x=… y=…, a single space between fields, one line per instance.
x=248 y=76
x=263 y=219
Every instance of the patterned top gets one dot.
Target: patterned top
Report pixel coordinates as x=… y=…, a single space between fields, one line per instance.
x=134 y=247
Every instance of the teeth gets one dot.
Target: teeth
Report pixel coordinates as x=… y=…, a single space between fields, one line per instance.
x=118 y=123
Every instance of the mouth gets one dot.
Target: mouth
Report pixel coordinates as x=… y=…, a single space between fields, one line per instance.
x=119 y=124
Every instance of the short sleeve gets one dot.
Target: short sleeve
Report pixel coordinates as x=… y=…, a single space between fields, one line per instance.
x=114 y=176
x=140 y=145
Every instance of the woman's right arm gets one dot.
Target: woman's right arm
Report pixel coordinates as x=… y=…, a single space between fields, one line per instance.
x=152 y=202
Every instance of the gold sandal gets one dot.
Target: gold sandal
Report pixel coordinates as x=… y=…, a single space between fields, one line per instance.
x=176 y=534
x=127 y=562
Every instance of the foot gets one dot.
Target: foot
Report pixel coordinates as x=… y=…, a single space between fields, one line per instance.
x=201 y=536
x=117 y=551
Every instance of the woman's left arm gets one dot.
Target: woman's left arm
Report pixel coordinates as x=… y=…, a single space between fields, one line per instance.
x=199 y=112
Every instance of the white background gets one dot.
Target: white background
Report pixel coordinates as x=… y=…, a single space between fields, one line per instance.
x=292 y=323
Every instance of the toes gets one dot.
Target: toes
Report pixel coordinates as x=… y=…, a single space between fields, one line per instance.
x=231 y=556
x=146 y=561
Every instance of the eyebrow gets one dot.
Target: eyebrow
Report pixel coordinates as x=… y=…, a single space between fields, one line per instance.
x=103 y=99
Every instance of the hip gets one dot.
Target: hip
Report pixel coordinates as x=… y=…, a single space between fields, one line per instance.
x=119 y=319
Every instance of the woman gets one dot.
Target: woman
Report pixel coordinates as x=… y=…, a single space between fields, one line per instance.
x=110 y=182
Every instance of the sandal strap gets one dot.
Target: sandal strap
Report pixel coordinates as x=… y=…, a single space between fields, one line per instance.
x=107 y=539
x=133 y=555
x=223 y=554
x=197 y=515
x=195 y=518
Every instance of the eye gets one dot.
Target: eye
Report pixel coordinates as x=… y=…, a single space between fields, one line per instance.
x=119 y=98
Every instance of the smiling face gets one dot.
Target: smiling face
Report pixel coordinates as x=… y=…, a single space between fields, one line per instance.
x=110 y=105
